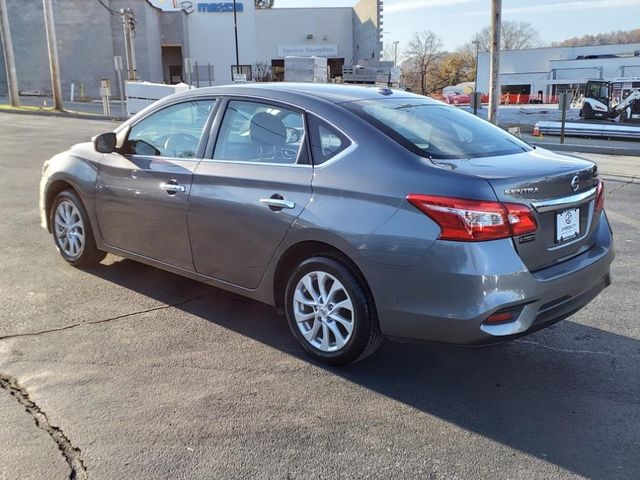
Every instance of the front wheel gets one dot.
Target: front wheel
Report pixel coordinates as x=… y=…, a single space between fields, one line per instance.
x=72 y=231
x=587 y=112
x=331 y=312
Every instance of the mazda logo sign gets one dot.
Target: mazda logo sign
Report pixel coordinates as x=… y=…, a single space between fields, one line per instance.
x=575 y=183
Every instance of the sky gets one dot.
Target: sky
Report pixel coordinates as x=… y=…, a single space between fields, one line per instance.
x=455 y=21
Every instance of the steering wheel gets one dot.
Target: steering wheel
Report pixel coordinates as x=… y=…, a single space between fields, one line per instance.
x=177 y=144
x=293 y=135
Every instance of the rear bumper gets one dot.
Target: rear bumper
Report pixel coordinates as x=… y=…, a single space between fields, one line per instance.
x=450 y=294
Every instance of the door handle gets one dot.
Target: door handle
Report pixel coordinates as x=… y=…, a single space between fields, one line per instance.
x=172 y=187
x=277 y=203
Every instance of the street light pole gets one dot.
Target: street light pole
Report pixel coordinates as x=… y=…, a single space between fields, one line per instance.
x=235 y=27
x=475 y=81
x=395 y=53
x=9 y=59
x=494 y=85
x=54 y=64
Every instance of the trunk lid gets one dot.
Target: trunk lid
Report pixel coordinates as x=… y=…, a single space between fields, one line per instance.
x=559 y=189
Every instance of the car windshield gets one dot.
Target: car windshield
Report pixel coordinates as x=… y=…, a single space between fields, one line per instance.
x=436 y=131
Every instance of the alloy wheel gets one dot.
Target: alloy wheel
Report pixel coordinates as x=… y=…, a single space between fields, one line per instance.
x=323 y=311
x=69 y=229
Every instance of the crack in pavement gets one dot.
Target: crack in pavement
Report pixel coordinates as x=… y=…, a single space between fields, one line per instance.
x=104 y=320
x=71 y=454
x=567 y=350
x=620 y=187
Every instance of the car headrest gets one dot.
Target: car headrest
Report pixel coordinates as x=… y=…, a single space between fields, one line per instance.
x=267 y=129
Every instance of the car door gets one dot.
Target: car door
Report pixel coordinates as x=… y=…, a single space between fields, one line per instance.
x=245 y=197
x=142 y=191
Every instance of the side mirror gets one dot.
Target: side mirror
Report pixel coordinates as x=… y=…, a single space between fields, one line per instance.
x=105 y=143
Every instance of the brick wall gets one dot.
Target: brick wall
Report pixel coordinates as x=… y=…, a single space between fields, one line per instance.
x=88 y=38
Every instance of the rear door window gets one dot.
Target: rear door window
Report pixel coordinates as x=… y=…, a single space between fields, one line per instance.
x=260 y=133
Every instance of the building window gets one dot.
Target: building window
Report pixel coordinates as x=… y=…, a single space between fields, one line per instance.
x=277 y=70
x=246 y=69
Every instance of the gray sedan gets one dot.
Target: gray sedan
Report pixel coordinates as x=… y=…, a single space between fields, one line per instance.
x=358 y=212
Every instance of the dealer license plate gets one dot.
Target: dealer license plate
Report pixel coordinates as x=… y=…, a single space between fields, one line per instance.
x=567 y=224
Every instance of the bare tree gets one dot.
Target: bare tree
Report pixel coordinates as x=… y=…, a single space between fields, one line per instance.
x=453 y=68
x=423 y=51
x=261 y=72
x=612 y=38
x=514 y=36
x=389 y=52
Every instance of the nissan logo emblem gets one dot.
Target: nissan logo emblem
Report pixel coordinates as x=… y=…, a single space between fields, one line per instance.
x=575 y=183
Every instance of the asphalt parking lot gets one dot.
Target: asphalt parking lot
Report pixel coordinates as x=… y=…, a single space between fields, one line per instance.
x=125 y=371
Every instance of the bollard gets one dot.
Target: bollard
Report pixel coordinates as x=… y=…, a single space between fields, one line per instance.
x=105 y=93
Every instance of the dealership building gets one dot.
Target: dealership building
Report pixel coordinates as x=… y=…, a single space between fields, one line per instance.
x=167 y=32
x=546 y=72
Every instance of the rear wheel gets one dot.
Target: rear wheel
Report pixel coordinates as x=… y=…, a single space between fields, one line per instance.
x=624 y=117
x=330 y=312
x=72 y=231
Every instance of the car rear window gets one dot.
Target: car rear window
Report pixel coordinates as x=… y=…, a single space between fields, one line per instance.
x=437 y=131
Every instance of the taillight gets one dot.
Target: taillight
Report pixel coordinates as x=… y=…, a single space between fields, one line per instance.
x=599 y=196
x=475 y=220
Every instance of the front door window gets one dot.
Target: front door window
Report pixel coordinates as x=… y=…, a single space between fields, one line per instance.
x=173 y=132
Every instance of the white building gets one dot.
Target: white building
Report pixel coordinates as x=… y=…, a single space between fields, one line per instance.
x=547 y=72
x=90 y=35
x=346 y=36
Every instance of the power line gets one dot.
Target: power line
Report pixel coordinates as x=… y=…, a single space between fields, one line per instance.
x=109 y=9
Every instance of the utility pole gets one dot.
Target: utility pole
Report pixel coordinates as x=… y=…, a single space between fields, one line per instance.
x=54 y=64
x=235 y=26
x=128 y=25
x=187 y=8
x=9 y=59
x=494 y=82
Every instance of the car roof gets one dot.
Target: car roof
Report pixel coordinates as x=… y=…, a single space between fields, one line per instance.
x=334 y=93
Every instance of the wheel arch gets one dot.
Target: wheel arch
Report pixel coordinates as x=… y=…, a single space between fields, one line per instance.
x=52 y=192
x=307 y=249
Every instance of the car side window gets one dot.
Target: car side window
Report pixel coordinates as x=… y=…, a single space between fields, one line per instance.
x=173 y=132
x=261 y=133
x=326 y=140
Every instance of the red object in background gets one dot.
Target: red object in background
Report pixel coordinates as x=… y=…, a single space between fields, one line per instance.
x=455 y=98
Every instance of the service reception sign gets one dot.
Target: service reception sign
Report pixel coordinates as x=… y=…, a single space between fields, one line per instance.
x=308 y=50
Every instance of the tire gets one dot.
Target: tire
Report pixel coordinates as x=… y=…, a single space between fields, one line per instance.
x=72 y=232
x=587 y=112
x=355 y=335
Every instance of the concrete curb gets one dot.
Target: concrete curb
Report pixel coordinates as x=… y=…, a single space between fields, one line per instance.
x=67 y=114
x=617 y=177
x=603 y=150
